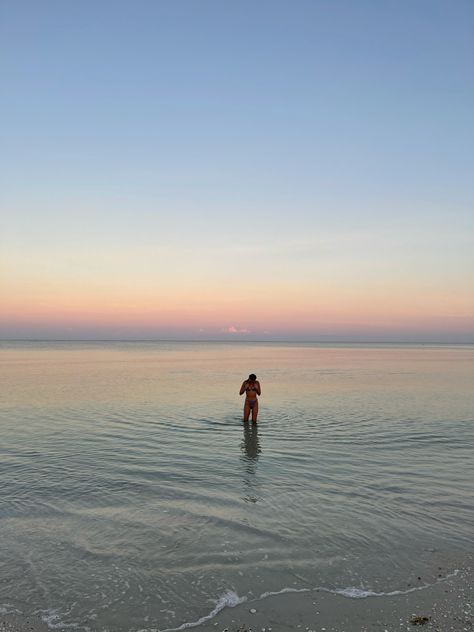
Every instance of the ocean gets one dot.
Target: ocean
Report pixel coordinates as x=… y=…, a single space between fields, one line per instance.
x=132 y=496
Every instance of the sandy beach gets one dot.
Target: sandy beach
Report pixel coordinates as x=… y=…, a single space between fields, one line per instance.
x=17 y=623
x=446 y=605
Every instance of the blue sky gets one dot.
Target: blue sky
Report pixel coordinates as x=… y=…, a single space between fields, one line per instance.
x=331 y=138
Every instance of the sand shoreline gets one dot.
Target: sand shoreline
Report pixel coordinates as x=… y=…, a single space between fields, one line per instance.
x=448 y=605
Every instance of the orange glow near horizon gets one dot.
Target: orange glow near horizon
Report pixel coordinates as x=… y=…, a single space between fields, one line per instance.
x=144 y=297
x=239 y=310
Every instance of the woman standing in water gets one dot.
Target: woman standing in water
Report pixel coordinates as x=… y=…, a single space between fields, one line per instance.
x=252 y=388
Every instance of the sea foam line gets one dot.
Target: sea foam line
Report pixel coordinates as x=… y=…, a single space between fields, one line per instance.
x=358 y=593
x=230 y=599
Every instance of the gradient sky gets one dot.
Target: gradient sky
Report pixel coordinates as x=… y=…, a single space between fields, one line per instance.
x=242 y=170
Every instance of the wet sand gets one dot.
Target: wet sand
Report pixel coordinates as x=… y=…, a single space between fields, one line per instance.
x=446 y=606
x=18 y=623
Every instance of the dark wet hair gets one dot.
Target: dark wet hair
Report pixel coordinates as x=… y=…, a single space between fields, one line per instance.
x=252 y=377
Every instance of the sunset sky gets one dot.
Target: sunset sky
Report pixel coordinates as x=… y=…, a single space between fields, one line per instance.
x=193 y=169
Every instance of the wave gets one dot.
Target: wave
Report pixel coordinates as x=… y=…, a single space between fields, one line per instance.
x=54 y=618
x=230 y=599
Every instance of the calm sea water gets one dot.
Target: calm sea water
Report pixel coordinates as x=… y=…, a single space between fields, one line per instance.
x=133 y=497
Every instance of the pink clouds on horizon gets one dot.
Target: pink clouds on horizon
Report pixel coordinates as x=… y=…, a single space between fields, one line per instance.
x=234 y=330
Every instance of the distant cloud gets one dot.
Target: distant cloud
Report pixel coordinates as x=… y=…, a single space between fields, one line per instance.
x=235 y=330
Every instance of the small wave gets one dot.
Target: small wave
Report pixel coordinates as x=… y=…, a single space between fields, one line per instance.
x=359 y=593
x=284 y=590
x=53 y=618
x=355 y=593
x=230 y=599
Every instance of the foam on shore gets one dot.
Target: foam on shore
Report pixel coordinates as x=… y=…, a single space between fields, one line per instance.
x=267 y=607
x=230 y=599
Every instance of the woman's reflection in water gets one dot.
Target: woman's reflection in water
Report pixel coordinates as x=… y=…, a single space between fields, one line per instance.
x=251 y=451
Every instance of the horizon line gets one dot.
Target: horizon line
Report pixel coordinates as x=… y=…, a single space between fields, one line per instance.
x=331 y=341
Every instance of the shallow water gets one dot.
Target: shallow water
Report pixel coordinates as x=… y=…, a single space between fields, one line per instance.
x=133 y=497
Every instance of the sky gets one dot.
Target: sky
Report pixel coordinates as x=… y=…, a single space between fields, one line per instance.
x=211 y=169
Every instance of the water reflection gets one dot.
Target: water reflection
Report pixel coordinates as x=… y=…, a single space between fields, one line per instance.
x=250 y=453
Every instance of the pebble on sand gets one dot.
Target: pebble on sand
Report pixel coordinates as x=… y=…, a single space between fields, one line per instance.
x=416 y=620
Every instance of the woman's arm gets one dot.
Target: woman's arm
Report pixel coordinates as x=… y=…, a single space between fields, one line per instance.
x=242 y=388
x=257 y=386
